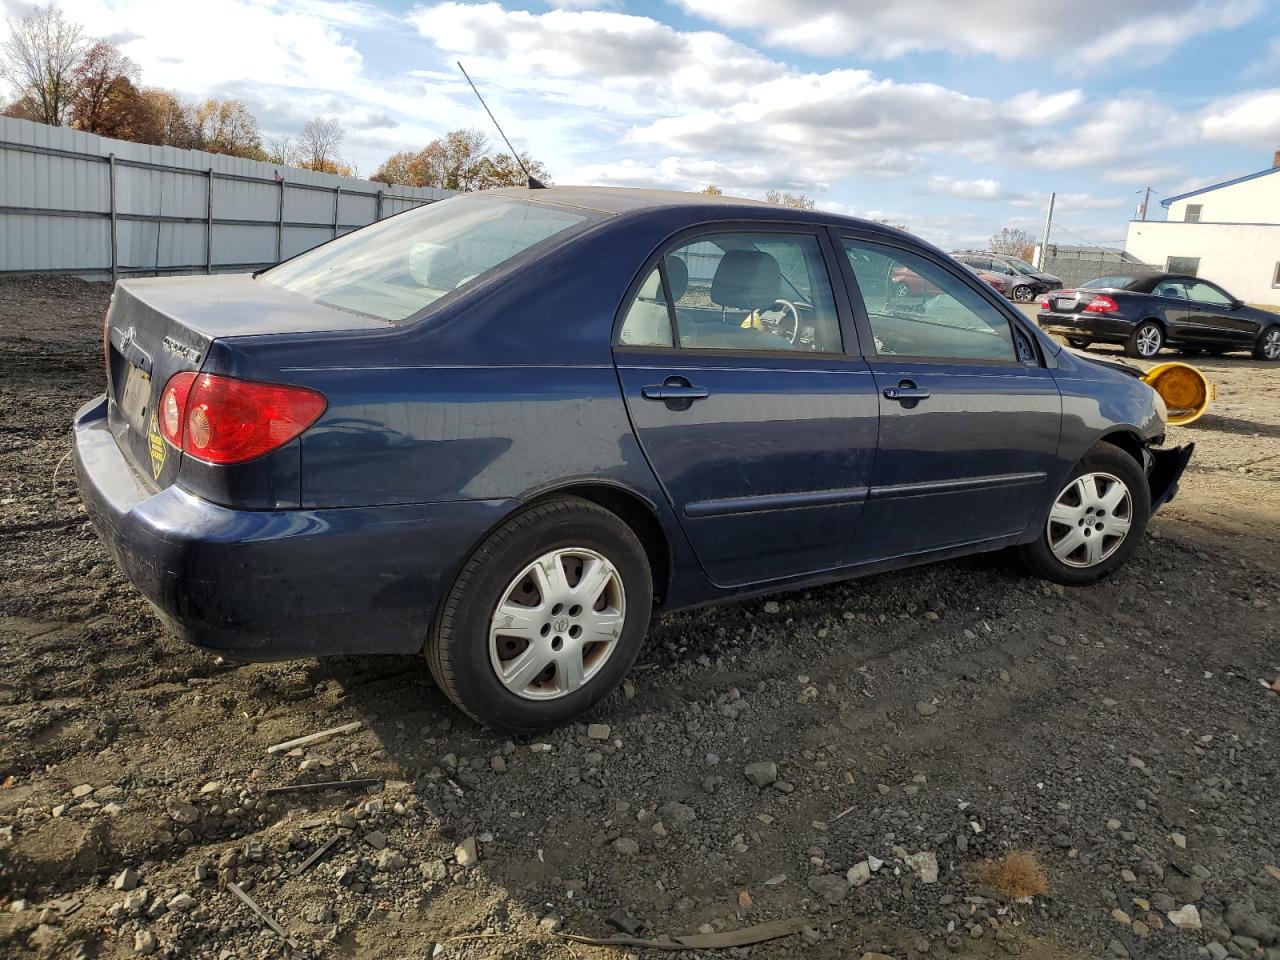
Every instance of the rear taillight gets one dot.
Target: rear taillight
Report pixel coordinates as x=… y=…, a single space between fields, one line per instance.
x=224 y=420
x=1044 y=303
x=1101 y=305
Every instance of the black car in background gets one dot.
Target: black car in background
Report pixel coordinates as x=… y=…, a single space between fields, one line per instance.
x=1149 y=313
x=1023 y=282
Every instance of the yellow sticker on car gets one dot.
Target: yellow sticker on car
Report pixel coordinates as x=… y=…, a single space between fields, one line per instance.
x=159 y=449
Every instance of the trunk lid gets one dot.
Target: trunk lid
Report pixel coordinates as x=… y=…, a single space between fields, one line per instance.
x=156 y=327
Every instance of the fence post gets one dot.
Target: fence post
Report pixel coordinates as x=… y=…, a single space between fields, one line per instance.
x=208 y=227
x=111 y=178
x=377 y=207
x=280 y=223
x=337 y=196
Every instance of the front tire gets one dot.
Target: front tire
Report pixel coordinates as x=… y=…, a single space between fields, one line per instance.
x=1146 y=341
x=1095 y=522
x=545 y=618
x=1023 y=294
x=1268 y=345
x=1080 y=343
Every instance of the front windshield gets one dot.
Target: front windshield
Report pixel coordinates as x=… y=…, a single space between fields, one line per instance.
x=396 y=267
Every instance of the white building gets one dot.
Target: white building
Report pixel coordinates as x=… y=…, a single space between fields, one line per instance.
x=1227 y=232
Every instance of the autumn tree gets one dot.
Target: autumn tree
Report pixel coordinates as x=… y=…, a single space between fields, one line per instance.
x=460 y=160
x=1013 y=242
x=797 y=200
x=165 y=119
x=39 y=58
x=227 y=126
x=712 y=190
x=107 y=99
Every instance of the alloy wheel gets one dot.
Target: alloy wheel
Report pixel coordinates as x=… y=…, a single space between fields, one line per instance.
x=1149 y=340
x=1090 y=519
x=557 y=624
x=1022 y=294
x=1271 y=344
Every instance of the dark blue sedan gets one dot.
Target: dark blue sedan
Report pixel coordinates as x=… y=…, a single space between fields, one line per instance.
x=506 y=428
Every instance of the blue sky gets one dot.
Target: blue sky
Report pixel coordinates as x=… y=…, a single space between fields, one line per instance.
x=953 y=118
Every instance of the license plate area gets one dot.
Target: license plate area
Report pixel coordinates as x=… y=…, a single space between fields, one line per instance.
x=136 y=398
x=1065 y=303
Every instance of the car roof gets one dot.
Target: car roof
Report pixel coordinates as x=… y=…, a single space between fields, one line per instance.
x=623 y=201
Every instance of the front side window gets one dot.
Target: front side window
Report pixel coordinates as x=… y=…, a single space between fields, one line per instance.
x=752 y=291
x=918 y=309
x=1187 y=266
x=395 y=268
x=1207 y=293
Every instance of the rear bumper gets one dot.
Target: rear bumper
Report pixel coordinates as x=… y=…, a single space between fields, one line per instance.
x=275 y=584
x=1092 y=326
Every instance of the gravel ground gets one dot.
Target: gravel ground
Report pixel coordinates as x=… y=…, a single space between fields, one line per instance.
x=904 y=730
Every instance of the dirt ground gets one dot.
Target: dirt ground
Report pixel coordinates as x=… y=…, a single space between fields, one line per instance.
x=1125 y=734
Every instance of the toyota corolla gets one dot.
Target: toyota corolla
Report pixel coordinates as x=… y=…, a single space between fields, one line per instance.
x=505 y=429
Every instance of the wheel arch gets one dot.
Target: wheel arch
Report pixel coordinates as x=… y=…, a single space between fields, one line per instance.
x=1127 y=440
x=635 y=511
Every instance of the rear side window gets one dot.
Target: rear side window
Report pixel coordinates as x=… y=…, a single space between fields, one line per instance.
x=395 y=268
x=739 y=291
x=918 y=309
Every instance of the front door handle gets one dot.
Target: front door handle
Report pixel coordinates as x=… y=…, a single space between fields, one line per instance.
x=906 y=392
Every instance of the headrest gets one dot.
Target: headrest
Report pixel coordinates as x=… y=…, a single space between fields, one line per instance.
x=746 y=280
x=678 y=277
x=436 y=266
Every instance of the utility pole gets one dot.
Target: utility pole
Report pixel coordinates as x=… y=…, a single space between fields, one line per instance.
x=1048 y=222
x=1146 y=199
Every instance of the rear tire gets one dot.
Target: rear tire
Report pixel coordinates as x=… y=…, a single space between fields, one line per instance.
x=1093 y=526
x=1079 y=343
x=477 y=654
x=1268 y=345
x=1146 y=341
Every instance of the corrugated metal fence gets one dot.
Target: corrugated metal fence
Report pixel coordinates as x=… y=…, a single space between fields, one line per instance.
x=1074 y=265
x=73 y=202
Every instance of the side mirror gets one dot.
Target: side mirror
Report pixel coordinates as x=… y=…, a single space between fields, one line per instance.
x=1236 y=304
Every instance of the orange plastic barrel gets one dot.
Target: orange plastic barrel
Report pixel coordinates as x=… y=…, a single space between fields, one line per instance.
x=1184 y=389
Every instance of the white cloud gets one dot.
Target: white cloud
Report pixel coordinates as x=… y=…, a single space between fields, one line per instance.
x=603 y=53
x=980 y=189
x=1034 y=29
x=1247 y=118
x=1037 y=109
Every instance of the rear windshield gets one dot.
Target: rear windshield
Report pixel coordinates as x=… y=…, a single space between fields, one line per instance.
x=1110 y=283
x=395 y=268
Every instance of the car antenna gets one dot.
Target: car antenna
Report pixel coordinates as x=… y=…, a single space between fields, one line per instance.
x=532 y=182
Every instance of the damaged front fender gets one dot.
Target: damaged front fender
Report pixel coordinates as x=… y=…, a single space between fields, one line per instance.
x=1165 y=471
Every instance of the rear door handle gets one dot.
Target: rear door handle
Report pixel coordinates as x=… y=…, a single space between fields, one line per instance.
x=674 y=391
x=905 y=391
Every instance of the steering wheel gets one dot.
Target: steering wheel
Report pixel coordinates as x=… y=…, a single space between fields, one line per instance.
x=795 y=321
